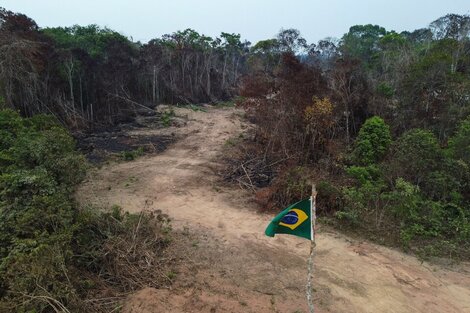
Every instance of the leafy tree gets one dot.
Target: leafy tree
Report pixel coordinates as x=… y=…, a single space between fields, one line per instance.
x=291 y=41
x=265 y=55
x=362 y=42
x=415 y=154
x=326 y=51
x=92 y=38
x=373 y=141
x=459 y=144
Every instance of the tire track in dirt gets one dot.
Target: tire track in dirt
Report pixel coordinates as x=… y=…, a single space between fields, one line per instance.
x=234 y=267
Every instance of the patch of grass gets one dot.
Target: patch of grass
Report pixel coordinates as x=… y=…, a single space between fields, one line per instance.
x=196 y=108
x=230 y=103
x=171 y=275
x=167 y=117
x=132 y=155
x=129 y=181
x=230 y=142
x=235 y=140
x=225 y=104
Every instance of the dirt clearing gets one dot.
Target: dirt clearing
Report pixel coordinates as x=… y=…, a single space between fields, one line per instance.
x=232 y=266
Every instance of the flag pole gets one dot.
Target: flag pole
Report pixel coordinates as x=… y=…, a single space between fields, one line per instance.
x=313 y=217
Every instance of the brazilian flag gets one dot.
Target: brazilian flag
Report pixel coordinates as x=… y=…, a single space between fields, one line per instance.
x=295 y=220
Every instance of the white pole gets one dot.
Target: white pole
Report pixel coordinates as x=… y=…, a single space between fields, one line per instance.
x=313 y=217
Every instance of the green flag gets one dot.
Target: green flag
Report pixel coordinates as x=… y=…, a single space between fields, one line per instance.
x=295 y=220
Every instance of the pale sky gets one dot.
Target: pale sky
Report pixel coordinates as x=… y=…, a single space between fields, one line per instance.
x=253 y=19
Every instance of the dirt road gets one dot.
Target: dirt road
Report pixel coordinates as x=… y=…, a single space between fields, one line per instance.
x=234 y=267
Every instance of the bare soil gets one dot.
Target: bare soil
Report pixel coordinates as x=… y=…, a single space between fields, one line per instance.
x=231 y=266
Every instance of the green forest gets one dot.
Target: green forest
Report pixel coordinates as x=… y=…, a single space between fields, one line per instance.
x=380 y=121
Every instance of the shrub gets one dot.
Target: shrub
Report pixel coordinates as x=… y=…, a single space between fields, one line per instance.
x=349 y=217
x=367 y=198
x=38 y=169
x=291 y=185
x=385 y=90
x=330 y=198
x=125 y=249
x=373 y=142
x=415 y=154
x=167 y=117
x=459 y=144
x=417 y=197
x=50 y=251
x=132 y=155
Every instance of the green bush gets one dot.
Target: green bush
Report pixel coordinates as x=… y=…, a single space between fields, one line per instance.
x=415 y=154
x=367 y=198
x=372 y=143
x=459 y=144
x=167 y=117
x=416 y=196
x=47 y=245
x=385 y=90
x=417 y=157
x=349 y=217
x=38 y=169
x=132 y=155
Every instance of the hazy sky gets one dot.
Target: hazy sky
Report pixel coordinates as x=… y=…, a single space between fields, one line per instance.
x=253 y=19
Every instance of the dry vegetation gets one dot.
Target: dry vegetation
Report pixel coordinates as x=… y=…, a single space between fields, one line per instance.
x=380 y=120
